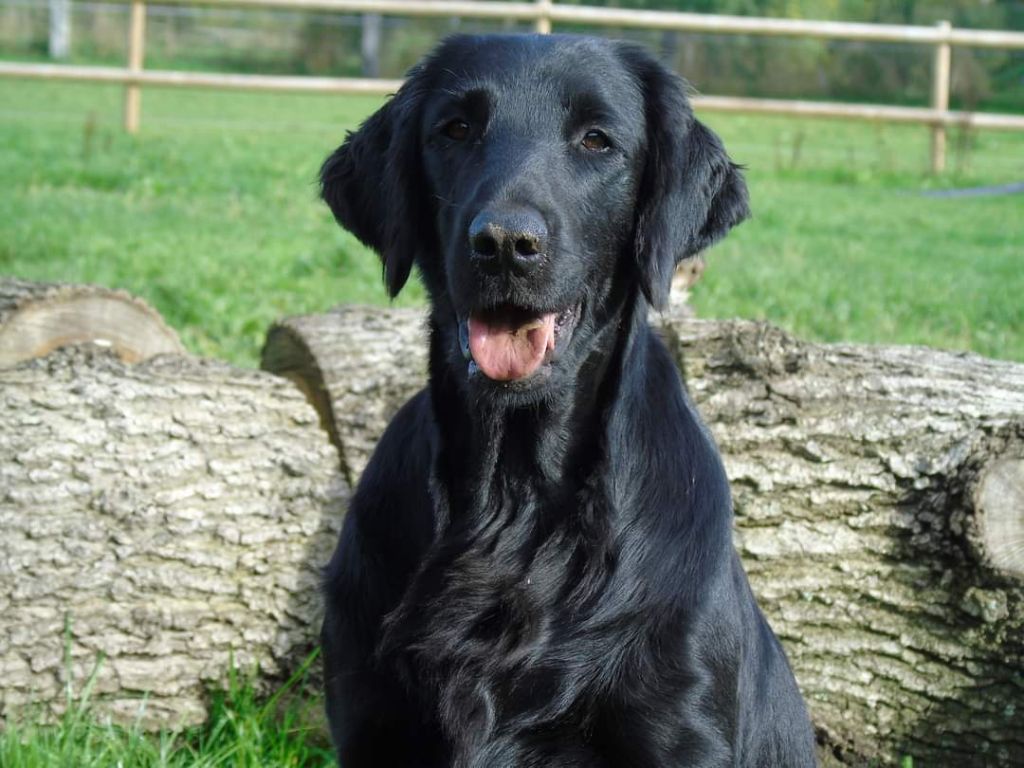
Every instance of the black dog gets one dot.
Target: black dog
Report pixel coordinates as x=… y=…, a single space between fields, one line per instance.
x=537 y=567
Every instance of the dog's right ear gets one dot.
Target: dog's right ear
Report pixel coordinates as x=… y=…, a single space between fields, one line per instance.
x=371 y=182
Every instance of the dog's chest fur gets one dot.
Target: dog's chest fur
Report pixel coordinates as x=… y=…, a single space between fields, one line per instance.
x=521 y=573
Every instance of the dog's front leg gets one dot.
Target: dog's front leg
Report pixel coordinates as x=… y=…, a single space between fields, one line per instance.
x=375 y=719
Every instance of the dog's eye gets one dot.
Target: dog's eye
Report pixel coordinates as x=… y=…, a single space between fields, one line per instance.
x=456 y=130
x=595 y=141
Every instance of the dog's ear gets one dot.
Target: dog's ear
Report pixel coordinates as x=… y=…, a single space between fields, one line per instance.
x=690 y=193
x=373 y=181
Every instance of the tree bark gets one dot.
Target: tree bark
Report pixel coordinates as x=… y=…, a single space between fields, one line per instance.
x=175 y=513
x=36 y=318
x=878 y=495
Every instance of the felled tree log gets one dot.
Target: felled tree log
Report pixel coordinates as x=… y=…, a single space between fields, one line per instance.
x=36 y=318
x=175 y=513
x=879 y=501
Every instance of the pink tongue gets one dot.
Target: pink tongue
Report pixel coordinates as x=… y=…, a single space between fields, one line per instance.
x=505 y=352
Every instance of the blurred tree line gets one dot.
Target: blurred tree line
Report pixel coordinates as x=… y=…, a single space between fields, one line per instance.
x=841 y=70
x=750 y=65
x=317 y=43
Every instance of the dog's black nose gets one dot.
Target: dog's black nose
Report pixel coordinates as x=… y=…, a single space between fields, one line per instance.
x=514 y=239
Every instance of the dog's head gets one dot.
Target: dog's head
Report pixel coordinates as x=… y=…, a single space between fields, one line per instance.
x=535 y=181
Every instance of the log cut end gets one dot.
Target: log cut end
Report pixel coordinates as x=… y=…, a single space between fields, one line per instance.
x=999 y=503
x=287 y=353
x=36 y=319
x=357 y=366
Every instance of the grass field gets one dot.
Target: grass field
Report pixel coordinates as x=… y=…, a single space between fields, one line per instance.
x=211 y=214
x=244 y=731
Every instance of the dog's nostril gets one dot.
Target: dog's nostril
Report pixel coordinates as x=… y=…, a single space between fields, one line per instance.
x=527 y=246
x=484 y=237
x=484 y=245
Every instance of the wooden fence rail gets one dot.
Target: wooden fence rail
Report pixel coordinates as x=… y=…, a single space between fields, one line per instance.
x=544 y=14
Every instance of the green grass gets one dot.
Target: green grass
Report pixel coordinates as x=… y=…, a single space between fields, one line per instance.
x=211 y=214
x=244 y=730
x=854 y=252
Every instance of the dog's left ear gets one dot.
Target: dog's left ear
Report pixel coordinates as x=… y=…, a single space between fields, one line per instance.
x=372 y=184
x=690 y=193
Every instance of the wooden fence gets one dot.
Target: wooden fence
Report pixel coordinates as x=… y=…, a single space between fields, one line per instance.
x=544 y=14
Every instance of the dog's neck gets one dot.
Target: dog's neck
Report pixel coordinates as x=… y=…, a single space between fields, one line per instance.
x=546 y=451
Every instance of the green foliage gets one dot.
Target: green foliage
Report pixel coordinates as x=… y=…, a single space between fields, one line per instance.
x=211 y=214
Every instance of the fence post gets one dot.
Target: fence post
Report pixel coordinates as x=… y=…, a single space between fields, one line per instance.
x=136 y=49
x=940 y=95
x=543 y=25
x=60 y=29
x=370 y=44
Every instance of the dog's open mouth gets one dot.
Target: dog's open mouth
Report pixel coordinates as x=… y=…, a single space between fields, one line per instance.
x=510 y=343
